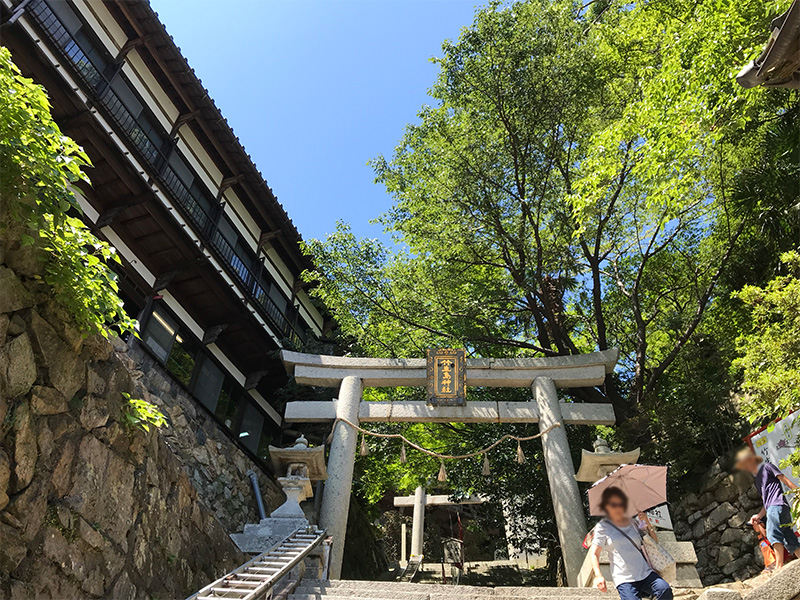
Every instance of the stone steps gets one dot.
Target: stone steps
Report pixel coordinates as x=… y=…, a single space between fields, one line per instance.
x=541 y=594
x=359 y=588
x=388 y=590
x=783 y=585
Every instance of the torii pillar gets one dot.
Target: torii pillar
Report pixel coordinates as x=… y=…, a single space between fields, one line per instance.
x=418 y=523
x=341 y=460
x=567 y=502
x=542 y=375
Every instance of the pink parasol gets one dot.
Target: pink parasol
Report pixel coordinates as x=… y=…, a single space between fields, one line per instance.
x=645 y=486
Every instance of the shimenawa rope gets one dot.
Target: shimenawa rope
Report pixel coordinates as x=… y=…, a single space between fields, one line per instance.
x=442 y=457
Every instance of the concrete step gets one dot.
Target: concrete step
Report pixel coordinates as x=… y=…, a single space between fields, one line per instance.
x=389 y=590
x=391 y=593
x=783 y=585
x=427 y=588
x=342 y=587
x=538 y=594
x=543 y=592
x=720 y=594
x=378 y=593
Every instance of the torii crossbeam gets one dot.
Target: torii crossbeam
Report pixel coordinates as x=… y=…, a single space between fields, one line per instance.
x=542 y=375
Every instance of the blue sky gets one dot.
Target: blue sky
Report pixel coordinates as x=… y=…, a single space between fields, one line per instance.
x=315 y=88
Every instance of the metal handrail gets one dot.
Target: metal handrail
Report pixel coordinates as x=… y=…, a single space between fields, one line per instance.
x=217 y=589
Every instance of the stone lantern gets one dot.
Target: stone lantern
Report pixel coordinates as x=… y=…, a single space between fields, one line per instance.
x=596 y=465
x=300 y=465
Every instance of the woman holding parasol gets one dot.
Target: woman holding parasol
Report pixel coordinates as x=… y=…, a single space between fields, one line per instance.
x=624 y=494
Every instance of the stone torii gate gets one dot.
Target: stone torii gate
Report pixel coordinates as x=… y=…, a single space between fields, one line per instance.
x=420 y=500
x=542 y=375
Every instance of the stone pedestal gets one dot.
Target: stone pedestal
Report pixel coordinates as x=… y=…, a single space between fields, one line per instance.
x=296 y=489
x=260 y=537
x=682 y=552
x=336 y=497
x=561 y=474
x=418 y=524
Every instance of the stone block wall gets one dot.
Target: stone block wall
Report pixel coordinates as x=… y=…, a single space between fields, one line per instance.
x=715 y=520
x=89 y=506
x=215 y=464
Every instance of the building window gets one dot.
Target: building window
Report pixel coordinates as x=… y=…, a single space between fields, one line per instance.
x=184 y=357
x=177 y=352
x=264 y=442
x=208 y=384
x=229 y=404
x=250 y=428
x=159 y=334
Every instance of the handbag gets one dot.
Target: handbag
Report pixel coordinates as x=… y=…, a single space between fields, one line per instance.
x=660 y=559
x=654 y=554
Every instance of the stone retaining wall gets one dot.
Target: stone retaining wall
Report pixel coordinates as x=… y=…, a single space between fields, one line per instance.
x=91 y=507
x=715 y=520
x=216 y=466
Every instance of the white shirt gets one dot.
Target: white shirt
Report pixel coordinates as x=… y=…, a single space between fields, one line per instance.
x=627 y=563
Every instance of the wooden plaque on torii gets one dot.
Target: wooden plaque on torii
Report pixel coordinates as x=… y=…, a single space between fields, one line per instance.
x=447 y=377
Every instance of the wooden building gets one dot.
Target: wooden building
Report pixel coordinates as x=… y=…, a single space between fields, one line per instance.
x=211 y=261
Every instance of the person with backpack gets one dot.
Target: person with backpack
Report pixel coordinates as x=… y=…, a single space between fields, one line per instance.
x=622 y=538
x=769 y=483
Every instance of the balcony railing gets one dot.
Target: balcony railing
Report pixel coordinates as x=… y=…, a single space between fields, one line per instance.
x=149 y=147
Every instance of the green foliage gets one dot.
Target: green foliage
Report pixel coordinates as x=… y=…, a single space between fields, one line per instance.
x=141 y=414
x=794 y=499
x=770 y=354
x=39 y=167
x=554 y=202
x=771 y=351
x=52 y=519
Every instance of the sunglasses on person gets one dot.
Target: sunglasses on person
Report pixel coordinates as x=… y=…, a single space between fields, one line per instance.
x=616 y=505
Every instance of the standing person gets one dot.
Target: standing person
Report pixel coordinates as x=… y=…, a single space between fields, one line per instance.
x=622 y=537
x=779 y=515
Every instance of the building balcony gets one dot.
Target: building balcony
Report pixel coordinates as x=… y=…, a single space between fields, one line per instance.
x=114 y=96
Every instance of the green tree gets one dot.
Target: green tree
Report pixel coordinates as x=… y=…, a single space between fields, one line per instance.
x=586 y=177
x=770 y=353
x=558 y=202
x=771 y=350
x=39 y=166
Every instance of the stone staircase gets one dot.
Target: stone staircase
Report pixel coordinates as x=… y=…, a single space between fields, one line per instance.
x=782 y=586
x=392 y=590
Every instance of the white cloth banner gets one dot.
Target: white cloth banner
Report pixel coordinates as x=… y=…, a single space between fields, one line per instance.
x=777 y=441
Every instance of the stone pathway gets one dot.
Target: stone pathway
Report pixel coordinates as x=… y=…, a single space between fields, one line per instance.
x=782 y=586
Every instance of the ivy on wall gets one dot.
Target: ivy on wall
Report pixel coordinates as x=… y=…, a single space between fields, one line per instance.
x=39 y=167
